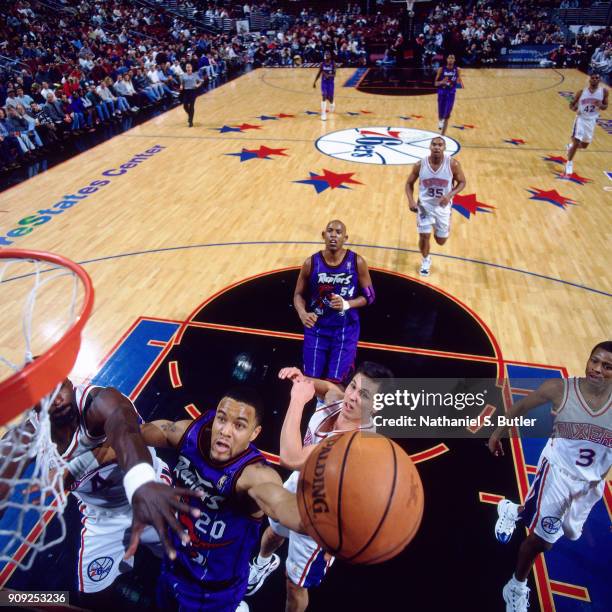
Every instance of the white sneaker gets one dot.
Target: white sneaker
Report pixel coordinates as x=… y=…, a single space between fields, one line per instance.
x=243 y=606
x=569 y=167
x=323 y=117
x=516 y=597
x=259 y=573
x=508 y=516
x=425 y=266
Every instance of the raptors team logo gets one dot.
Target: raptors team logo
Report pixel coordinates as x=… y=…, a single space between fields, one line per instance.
x=381 y=145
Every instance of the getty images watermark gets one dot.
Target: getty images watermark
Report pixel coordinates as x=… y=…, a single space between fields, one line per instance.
x=453 y=408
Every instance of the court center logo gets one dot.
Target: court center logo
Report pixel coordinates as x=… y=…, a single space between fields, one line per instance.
x=381 y=145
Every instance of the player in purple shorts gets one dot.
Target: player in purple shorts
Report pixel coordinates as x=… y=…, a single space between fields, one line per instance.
x=446 y=81
x=332 y=284
x=328 y=70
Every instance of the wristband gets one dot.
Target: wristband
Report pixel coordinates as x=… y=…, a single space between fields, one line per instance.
x=345 y=304
x=137 y=476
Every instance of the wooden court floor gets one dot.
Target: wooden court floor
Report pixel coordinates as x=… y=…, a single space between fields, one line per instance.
x=206 y=207
x=191 y=219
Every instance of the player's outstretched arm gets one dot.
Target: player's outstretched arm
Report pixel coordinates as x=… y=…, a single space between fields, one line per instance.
x=112 y=415
x=264 y=485
x=412 y=179
x=293 y=454
x=323 y=388
x=308 y=319
x=163 y=433
x=549 y=391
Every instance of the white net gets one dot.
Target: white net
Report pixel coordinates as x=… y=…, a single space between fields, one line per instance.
x=38 y=305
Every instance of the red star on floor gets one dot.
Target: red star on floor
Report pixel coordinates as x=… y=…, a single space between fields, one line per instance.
x=264 y=151
x=334 y=179
x=574 y=178
x=557 y=159
x=469 y=205
x=552 y=196
x=248 y=126
x=284 y=116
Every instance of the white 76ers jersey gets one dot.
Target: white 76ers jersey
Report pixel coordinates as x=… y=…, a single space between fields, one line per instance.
x=319 y=425
x=589 y=103
x=100 y=488
x=434 y=184
x=582 y=439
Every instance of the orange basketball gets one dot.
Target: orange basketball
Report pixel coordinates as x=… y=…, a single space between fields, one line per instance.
x=360 y=497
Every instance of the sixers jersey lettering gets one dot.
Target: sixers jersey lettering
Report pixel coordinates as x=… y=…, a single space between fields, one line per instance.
x=433 y=184
x=343 y=280
x=224 y=536
x=582 y=438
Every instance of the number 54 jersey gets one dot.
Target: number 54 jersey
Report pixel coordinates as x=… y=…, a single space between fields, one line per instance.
x=224 y=536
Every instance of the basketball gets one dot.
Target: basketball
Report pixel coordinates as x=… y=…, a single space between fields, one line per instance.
x=360 y=497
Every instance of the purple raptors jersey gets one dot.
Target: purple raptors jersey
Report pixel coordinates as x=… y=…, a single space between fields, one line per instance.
x=224 y=536
x=328 y=70
x=452 y=74
x=343 y=280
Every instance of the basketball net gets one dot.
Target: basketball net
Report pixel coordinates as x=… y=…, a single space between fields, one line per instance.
x=41 y=301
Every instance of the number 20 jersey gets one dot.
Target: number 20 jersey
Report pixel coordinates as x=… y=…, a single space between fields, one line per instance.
x=581 y=443
x=225 y=535
x=433 y=184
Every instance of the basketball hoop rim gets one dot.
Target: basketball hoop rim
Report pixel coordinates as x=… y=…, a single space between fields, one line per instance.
x=25 y=388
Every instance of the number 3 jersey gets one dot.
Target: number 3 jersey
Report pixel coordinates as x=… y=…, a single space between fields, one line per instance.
x=581 y=443
x=433 y=184
x=226 y=534
x=100 y=486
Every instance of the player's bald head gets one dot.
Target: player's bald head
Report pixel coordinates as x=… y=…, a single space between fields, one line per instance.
x=335 y=223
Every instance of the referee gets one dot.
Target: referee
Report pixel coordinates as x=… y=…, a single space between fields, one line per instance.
x=189 y=87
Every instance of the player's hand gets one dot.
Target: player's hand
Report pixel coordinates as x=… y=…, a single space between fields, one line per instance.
x=445 y=200
x=155 y=504
x=495 y=444
x=336 y=302
x=413 y=206
x=302 y=391
x=292 y=373
x=314 y=85
x=309 y=319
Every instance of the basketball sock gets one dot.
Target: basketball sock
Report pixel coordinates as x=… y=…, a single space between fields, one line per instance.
x=323 y=107
x=261 y=561
x=518 y=583
x=332 y=107
x=441 y=124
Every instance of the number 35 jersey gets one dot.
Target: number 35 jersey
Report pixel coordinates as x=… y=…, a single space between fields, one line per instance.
x=434 y=184
x=225 y=535
x=581 y=443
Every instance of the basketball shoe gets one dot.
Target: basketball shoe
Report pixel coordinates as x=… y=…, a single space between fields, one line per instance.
x=425 y=266
x=259 y=573
x=508 y=516
x=516 y=596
